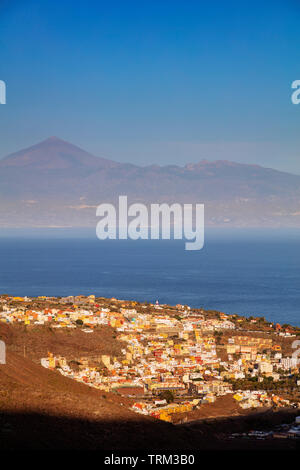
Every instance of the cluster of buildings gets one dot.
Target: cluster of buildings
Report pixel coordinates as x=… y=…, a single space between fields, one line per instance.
x=257 y=356
x=177 y=353
x=81 y=312
x=161 y=410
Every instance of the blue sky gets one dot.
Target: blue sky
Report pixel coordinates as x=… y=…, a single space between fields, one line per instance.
x=154 y=81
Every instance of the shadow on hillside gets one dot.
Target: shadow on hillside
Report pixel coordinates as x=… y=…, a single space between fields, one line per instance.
x=36 y=431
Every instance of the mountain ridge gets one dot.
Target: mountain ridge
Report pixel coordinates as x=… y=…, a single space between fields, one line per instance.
x=57 y=141
x=57 y=183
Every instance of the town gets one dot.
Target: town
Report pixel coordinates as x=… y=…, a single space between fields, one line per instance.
x=2 y=92
x=173 y=360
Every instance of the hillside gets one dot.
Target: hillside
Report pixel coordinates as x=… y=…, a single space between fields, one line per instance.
x=36 y=342
x=42 y=410
x=55 y=183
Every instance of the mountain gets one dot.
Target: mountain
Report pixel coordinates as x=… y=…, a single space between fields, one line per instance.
x=54 y=154
x=55 y=183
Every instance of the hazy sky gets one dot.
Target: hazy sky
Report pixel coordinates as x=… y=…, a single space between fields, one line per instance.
x=154 y=81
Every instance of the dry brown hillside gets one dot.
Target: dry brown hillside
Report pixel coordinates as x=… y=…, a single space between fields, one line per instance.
x=41 y=409
x=36 y=341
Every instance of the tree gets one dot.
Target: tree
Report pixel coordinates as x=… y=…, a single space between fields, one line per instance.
x=167 y=395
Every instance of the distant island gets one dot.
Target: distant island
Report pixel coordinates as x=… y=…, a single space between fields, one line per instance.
x=57 y=184
x=156 y=371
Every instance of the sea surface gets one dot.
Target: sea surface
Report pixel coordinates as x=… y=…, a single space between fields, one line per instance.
x=248 y=272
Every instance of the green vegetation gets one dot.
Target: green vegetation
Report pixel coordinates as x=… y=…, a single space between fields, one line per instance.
x=167 y=395
x=287 y=384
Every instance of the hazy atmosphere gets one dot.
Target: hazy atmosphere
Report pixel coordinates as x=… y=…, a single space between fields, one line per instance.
x=167 y=82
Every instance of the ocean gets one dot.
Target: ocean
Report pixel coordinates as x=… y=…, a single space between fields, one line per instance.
x=247 y=272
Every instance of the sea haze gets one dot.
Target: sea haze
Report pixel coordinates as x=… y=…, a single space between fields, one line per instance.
x=249 y=272
x=57 y=184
